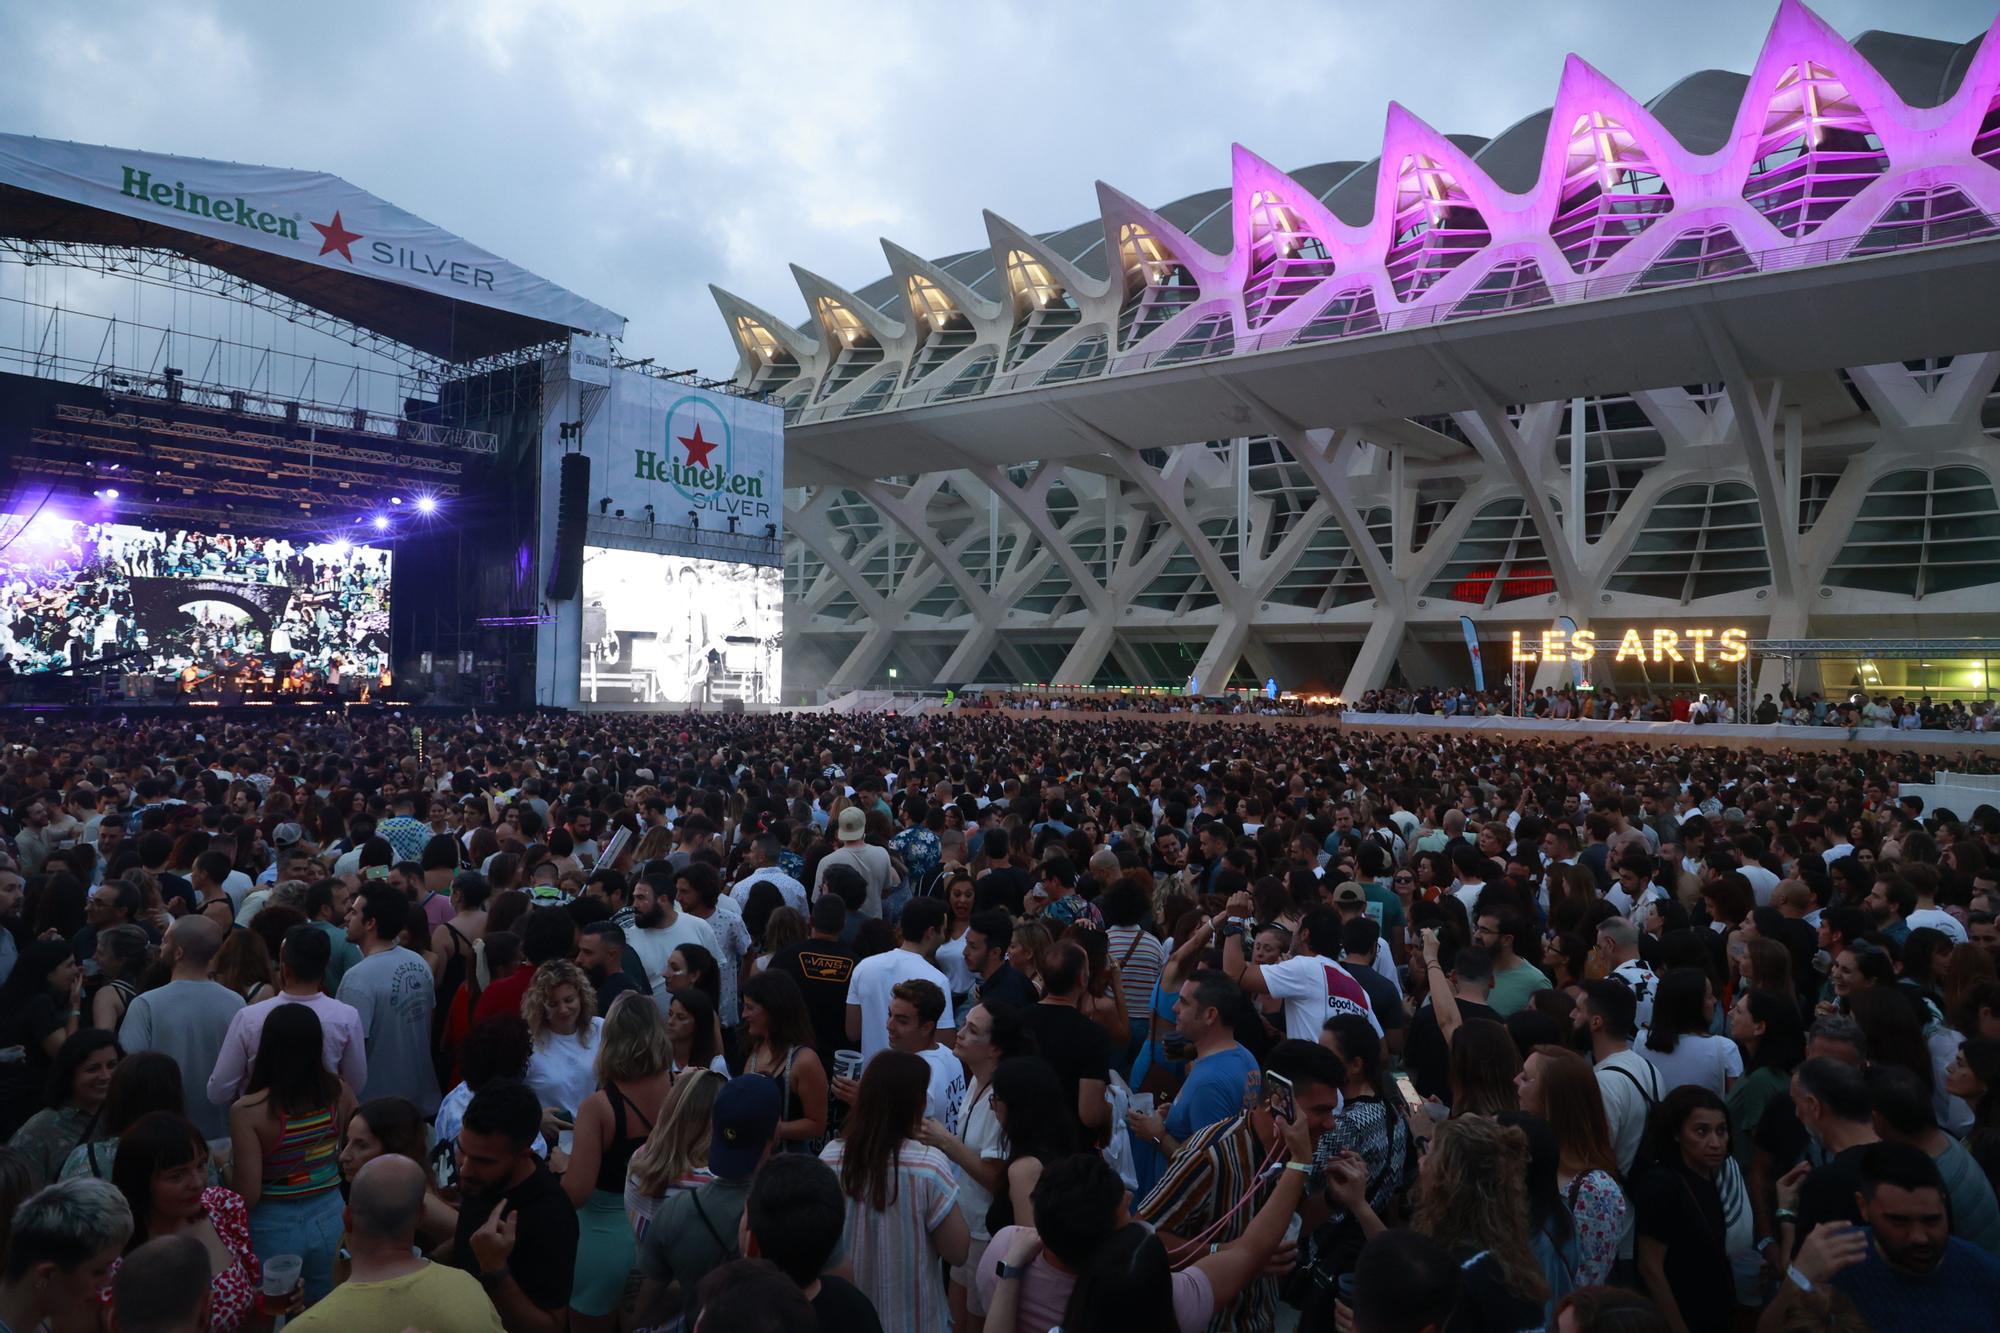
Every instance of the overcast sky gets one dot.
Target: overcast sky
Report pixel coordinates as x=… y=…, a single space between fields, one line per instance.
x=635 y=152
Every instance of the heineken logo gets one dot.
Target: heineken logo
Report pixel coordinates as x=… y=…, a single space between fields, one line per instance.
x=220 y=208
x=335 y=236
x=697 y=459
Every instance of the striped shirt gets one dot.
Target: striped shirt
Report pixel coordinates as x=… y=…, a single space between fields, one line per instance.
x=302 y=1161
x=1213 y=1170
x=1139 y=958
x=894 y=1265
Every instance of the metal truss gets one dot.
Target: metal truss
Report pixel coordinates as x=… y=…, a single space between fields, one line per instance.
x=1812 y=649
x=197 y=435
x=307 y=470
x=302 y=498
x=176 y=272
x=176 y=391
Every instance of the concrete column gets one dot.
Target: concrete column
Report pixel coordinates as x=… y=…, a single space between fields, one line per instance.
x=1225 y=648
x=969 y=656
x=1377 y=655
x=865 y=659
x=1087 y=654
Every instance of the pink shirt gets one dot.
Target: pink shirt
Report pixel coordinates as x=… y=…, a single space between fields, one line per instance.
x=1045 y=1291
x=344 y=1043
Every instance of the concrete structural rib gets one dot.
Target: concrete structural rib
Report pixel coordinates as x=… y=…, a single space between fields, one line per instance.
x=1724 y=356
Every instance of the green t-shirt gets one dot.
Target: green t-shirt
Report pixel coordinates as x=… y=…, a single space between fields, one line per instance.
x=1512 y=988
x=1383 y=905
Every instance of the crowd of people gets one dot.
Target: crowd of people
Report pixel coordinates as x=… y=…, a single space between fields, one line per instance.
x=1849 y=709
x=738 y=1024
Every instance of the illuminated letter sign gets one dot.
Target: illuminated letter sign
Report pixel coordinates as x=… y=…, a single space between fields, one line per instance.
x=1657 y=643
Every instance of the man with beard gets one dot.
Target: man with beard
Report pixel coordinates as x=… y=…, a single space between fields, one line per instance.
x=517 y=1230
x=659 y=927
x=1902 y=1268
x=600 y=952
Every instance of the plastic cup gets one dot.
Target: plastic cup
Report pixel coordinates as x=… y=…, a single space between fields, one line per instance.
x=847 y=1064
x=281 y=1279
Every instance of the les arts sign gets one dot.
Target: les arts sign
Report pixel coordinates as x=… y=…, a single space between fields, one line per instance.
x=1699 y=645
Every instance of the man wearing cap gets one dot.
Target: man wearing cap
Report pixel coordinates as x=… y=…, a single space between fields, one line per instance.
x=696 y=1231
x=1350 y=900
x=855 y=850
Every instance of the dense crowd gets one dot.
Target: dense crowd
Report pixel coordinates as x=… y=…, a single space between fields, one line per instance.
x=1855 y=709
x=739 y=1024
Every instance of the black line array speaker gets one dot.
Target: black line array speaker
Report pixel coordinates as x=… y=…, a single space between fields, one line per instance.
x=572 y=513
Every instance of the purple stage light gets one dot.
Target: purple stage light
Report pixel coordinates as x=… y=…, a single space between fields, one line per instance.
x=381 y=523
x=427 y=504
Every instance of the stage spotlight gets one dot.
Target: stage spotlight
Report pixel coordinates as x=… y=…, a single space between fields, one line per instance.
x=395 y=499
x=341 y=549
x=649 y=513
x=381 y=523
x=770 y=532
x=427 y=504
x=111 y=493
x=694 y=519
x=618 y=513
x=604 y=505
x=732 y=522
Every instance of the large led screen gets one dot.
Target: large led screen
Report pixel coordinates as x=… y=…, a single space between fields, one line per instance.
x=668 y=629
x=188 y=606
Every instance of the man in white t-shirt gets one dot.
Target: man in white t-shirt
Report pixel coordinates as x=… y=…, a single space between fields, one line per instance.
x=1629 y=1085
x=1923 y=882
x=914 y=1009
x=1314 y=986
x=659 y=927
x=869 y=987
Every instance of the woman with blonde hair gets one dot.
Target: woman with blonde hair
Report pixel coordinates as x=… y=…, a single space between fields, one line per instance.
x=655 y=845
x=560 y=1010
x=633 y=1055
x=1024 y=954
x=675 y=1156
x=1472 y=1198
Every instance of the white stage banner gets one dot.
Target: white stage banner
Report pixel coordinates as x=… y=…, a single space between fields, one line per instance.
x=589 y=359
x=307 y=216
x=683 y=450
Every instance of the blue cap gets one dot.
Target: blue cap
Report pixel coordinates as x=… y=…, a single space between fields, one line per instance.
x=744 y=1119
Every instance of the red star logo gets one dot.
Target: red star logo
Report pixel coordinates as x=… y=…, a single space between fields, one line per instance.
x=698 y=448
x=336 y=237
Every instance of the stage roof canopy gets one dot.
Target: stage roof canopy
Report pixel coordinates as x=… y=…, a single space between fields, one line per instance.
x=305 y=235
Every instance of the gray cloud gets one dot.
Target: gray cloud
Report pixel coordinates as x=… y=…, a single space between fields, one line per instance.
x=636 y=151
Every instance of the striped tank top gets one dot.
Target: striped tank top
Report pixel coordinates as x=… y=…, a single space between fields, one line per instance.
x=304 y=1161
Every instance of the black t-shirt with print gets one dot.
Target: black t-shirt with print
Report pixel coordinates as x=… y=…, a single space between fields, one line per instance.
x=822 y=969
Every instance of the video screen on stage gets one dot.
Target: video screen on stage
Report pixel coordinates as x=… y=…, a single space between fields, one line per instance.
x=193 y=610
x=666 y=629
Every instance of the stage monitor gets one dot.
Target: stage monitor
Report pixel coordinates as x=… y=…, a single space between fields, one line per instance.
x=191 y=608
x=668 y=629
